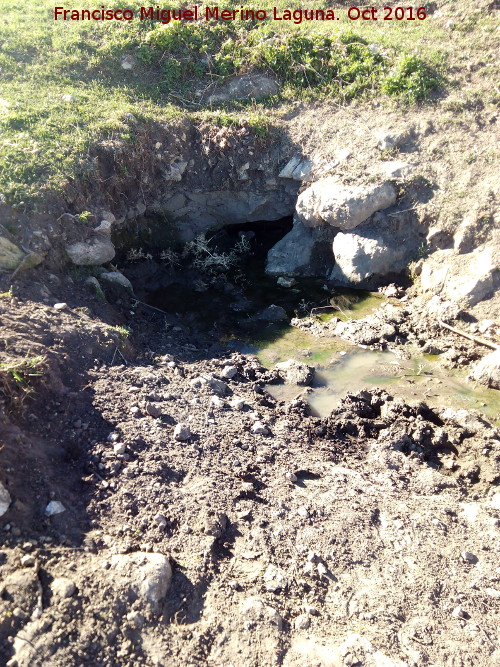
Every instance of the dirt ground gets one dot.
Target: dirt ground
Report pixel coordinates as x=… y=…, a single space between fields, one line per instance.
x=367 y=538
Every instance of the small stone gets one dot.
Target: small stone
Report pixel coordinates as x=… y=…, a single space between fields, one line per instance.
x=302 y=622
x=228 y=372
x=54 y=507
x=119 y=448
x=458 y=612
x=468 y=557
x=274 y=579
x=303 y=512
x=246 y=487
x=321 y=569
x=259 y=429
x=28 y=561
x=182 y=432
x=291 y=477
x=135 y=619
x=135 y=411
x=63 y=587
x=286 y=282
x=153 y=410
x=113 y=437
x=160 y=520
x=60 y=306
x=309 y=609
x=237 y=404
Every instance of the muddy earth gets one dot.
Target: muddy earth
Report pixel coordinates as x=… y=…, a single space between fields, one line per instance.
x=165 y=509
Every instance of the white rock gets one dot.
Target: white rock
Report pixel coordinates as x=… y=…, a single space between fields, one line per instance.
x=463 y=279
x=458 y=612
x=63 y=587
x=387 y=140
x=257 y=611
x=119 y=448
x=302 y=622
x=274 y=579
x=54 y=507
x=237 y=404
x=487 y=370
x=286 y=282
x=182 y=432
x=329 y=202
x=93 y=252
x=259 y=428
x=128 y=62
x=28 y=561
x=148 y=575
x=228 y=372
x=297 y=169
x=396 y=169
x=60 y=306
x=5 y=499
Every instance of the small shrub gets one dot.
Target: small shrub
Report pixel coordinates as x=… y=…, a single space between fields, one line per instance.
x=411 y=79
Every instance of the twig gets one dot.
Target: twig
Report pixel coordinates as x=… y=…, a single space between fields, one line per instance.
x=146 y=305
x=475 y=339
x=121 y=355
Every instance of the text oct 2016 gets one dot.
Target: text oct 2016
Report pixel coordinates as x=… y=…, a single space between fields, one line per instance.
x=297 y=16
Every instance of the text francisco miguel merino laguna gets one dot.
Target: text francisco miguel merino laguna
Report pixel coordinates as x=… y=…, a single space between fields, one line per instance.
x=196 y=13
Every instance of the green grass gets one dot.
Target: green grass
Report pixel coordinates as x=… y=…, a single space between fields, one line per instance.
x=63 y=87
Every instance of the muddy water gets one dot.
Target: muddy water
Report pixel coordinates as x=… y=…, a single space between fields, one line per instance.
x=420 y=378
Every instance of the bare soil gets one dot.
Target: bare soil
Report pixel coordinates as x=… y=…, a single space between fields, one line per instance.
x=369 y=537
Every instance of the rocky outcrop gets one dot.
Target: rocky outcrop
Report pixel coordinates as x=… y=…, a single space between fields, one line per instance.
x=463 y=279
x=302 y=252
x=329 y=202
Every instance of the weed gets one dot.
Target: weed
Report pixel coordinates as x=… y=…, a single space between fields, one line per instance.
x=411 y=79
x=16 y=377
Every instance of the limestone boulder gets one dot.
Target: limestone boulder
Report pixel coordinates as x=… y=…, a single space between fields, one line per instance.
x=376 y=252
x=302 y=252
x=95 y=251
x=464 y=279
x=329 y=202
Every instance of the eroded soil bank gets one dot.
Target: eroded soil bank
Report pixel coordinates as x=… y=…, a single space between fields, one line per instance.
x=206 y=522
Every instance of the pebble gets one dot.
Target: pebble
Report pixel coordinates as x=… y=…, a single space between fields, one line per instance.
x=113 y=437
x=60 y=306
x=135 y=619
x=458 y=612
x=153 y=410
x=63 y=587
x=468 y=557
x=135 y=411
x=291 y=477
x=228 y=372
x=303 y=512
x=259 y=429
x=119 y=448
x=28 y=561
x=302 y=622
x=237 y=404
x=182 y=432
x=54 y=507
x=161 y=520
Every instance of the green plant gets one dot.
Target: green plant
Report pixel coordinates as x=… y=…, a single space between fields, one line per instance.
x=16 y=377
x=411 y=79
